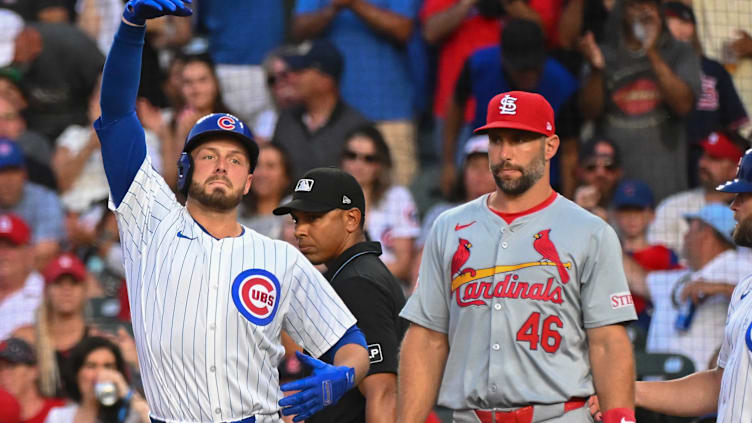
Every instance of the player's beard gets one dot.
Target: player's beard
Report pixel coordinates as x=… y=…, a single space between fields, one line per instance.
x=530 y=175
x=743 y=232
x=216 y=199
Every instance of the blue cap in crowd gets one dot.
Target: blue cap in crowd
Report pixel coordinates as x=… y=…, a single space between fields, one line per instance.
x=319 y=54
x=10 y=154
x=633 y=194
x=719 y=216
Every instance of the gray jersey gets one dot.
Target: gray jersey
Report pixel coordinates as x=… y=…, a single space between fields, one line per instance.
x=515 y=300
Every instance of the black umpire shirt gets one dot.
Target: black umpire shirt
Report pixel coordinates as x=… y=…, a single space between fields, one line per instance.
x=375 y=298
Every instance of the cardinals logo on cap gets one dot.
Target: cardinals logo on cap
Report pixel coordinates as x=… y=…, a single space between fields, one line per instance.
x=508 y=105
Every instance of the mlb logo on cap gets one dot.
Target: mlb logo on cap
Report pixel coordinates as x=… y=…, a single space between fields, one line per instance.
x=305 y=185
x=519 y=110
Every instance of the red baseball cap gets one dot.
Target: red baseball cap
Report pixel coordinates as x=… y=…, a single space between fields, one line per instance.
x=14 y=229
x=64 y=264
x=718 y=145
x=519 y=110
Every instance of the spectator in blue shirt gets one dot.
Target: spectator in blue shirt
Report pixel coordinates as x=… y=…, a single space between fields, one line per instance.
x=372 y=36
x=39 y=206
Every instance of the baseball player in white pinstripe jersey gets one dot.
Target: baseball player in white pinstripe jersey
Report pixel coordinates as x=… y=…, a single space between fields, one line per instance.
x=726 y=388
x=209 y=297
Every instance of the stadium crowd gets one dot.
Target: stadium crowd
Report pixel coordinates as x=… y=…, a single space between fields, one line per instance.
x=650 y=96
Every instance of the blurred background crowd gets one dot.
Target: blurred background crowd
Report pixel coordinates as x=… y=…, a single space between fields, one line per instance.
x=651 y=101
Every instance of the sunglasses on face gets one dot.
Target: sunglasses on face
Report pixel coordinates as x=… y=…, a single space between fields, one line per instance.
x=368 y=158
x=593 y=166
x=275 y=77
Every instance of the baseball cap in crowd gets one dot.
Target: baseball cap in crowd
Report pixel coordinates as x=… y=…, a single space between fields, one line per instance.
x=323 y=189
x=519 y=110
x=17 y=351
x=11 y=24
x=719 y=216
x=679 y=10
x=523 y=45
x=719 y=146
x=477 y=144
x=14 y=229
x=589 y=152
x=11 y=154
x=317 y=54
x=10 y=410
x=64 y=264
x=632 y=193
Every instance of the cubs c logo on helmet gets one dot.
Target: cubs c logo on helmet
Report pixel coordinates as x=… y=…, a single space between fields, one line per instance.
x=255 y=293
x=226 y=122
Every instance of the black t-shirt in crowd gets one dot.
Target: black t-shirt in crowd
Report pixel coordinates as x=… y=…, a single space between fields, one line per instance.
x=375 y=298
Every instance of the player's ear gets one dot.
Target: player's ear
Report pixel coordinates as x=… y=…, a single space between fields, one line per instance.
x=551 y=146
x=248 y=183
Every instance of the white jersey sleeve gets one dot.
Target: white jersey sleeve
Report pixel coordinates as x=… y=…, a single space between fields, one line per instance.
x=147 y=201
x=317 y=318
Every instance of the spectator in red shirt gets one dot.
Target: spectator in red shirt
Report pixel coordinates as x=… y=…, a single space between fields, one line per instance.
x=18 y=375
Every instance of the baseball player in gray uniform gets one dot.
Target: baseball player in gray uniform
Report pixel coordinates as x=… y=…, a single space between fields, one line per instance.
x=209 y=297
x=726 y=387
x=521 y=295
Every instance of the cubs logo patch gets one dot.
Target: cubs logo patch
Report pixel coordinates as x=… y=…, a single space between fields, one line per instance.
x=748 y=337
x=255 y=293
x=226 y=122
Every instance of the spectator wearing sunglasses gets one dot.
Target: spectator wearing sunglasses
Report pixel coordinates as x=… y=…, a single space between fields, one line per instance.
x=390 y=209
x=314 y=132
x=598 y=173
x=718 y=163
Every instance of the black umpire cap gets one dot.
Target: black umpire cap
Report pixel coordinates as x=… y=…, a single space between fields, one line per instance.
x=323 y=189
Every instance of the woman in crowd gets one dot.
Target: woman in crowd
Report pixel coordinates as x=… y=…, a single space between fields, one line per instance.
x=97 y=366
x=390 y=209
x=271 y=182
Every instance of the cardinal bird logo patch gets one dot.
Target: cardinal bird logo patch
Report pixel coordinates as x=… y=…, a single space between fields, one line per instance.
x=460 y=258
x=545 y=247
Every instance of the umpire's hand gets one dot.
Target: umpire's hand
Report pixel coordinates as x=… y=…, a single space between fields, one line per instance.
x=138 y=11
x=324 y=387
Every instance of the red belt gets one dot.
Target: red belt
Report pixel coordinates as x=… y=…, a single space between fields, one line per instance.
x=524 y=414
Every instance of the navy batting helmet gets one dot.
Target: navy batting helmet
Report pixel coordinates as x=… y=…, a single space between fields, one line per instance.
x=213 y=126
x=743 y=180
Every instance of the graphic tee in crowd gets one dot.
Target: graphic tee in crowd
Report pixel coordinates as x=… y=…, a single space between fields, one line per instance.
x=651 y=138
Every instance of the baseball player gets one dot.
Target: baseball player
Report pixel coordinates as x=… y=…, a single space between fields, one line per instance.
x=521 y=295
x=726 y=387
x=209 y=297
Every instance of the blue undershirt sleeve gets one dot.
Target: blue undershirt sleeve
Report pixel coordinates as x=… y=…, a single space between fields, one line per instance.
x=120 y=132
x=353 y=335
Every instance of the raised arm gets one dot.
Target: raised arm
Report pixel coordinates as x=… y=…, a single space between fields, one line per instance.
x=120 y=133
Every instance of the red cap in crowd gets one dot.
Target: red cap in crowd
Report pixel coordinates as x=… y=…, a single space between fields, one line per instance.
x=14 y=229
x=718 y=145
x=520 y=110
x=64 y=264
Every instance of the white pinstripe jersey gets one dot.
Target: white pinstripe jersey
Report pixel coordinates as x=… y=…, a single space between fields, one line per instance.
x=735 y=398
x=207 y=312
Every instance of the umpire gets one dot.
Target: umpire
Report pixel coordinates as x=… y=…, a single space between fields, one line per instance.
x=328 y=208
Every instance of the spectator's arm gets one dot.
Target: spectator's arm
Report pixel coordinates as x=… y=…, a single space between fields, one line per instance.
x=592 y=97
x=520 y=9
x=452 y=124
x=700 y=289
x=676 y=93
x=693 y=395
x=380 y=391
x=384 y=21
x=443 y=23
x=88 y=19
x=613 y=366
x=44 y=251
x=68 y=165
x=311 y=25
x=636 y=277
x=422 y=359
x=570 y=23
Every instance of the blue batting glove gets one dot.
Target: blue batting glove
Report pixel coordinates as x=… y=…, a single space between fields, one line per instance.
x=324 y=387
x=138 y=11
